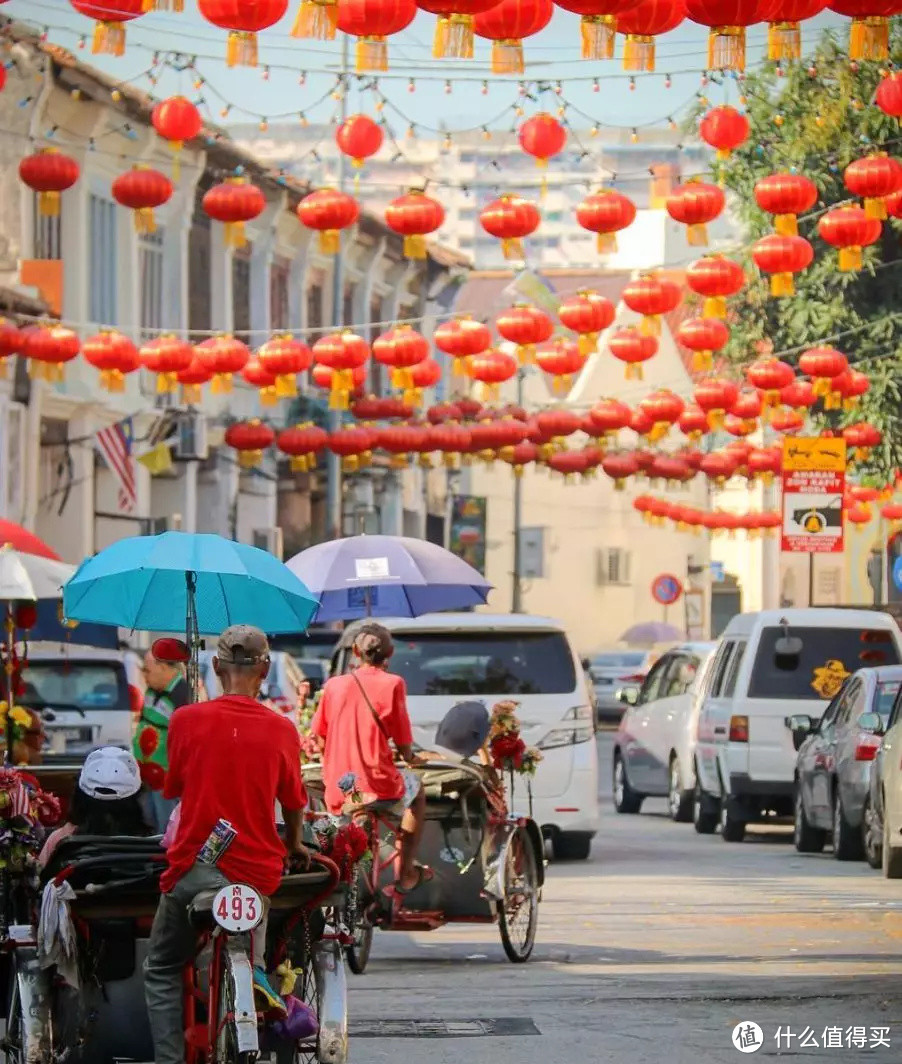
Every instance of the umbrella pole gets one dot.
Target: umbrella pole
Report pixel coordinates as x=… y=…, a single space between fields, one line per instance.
x=192 y=636
x=368 y=601
x=9 y=668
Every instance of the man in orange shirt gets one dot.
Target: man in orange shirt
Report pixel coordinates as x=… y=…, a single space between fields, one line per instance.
x=361 y=714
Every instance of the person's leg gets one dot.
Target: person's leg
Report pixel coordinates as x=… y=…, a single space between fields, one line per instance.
x=409 y=836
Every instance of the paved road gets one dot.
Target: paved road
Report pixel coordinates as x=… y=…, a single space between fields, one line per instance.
x=654 y=950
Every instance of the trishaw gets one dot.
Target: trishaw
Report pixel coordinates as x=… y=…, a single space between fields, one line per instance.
x=488 y=862
x=114 y=892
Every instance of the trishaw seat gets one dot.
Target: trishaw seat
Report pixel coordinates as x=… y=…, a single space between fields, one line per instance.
x=293 y=892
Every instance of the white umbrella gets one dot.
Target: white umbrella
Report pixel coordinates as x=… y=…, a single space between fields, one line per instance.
x=46 y=574
x=15 y=583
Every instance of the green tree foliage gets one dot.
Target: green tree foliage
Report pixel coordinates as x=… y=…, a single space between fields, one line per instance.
x=815 y=118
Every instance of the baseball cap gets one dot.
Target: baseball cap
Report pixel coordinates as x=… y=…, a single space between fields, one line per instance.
x=464 y=728
x=242 y=644
x=109 y=774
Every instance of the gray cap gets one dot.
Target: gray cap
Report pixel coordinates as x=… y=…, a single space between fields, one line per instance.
x=464 y=728
x=242 y=644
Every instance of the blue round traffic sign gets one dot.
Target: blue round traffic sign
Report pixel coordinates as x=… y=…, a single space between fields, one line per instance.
x=666 y=589
x=897 y=573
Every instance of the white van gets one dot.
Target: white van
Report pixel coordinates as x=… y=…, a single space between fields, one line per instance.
x=448 y=657
x=770 y=666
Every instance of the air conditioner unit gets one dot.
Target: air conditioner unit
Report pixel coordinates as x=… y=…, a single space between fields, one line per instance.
x=269 y=539
x=155 y=526
x=191 y=439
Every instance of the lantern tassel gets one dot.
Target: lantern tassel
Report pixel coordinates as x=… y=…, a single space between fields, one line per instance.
x=268 y=395
x=176 y=148
x=784 y=41
x=440 y=38
x=634 y=372
x=650 y=325
x=715 y=307
x=526 y=354
x=49 y=204
x=507 y=56
x=697 y=235
x=587 y=343
x=316 y=20
x=606 y=244
x=702 y=361
x=456 y=37
x=221 y=383
x=298 y=463
x=512 y=248
x=234 y=235
x=875 y=208
x=286 y=385
x=850 y=259
x=639 y=52
x=786 y=224
x=4 y=369
x=145 y=222
x=869 y=38
x=458 y=367
x=176 y=6
x=241 y=49
x=192 y=394
x=715 y=419
x=782 y=284
x=248 y=459
x=415 y=246
x=371 y=54
x=598 y=33
x=166 y=383
x=329 y=241
x=726 y=48
x=109 y=39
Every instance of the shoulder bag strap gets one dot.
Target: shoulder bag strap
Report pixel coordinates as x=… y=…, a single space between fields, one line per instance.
x=376 y=716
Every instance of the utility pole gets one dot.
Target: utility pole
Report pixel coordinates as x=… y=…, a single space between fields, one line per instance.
x=334 y=512
x=517 y=592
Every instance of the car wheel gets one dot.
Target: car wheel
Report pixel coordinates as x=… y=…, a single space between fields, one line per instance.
x=892 y=856
x=846 y=841
x=626 y=800
x=705 y=811
x=571 y=845
x=731 y=828
x=806 y=838
x=679 y=800
x=871 y=835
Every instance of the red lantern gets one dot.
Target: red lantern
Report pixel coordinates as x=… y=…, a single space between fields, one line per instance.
x=224 y=355
x=324 y=377
x=234 y=202
x=48 y=348
x=598 y=24
x=785 y=196
x=552 y=427
x=244 y=21
x=873 y=179
x=632 y=347
x=663 y=408
x=640 y=422
x=893 y=205
x=861 y=439
x=192 y=379
x=619 y=466
x=380 y=408
x=823 y=365
x=852 y=385
x=328 y=211
x=770 y=376
x=114 y=355
x=738 y=426
x=869 y=35
x=703 y=336
x=715 y=278
x=716 y=395
x=341 y=352
x=11 y=341
x=859 y=515
x=371 y=22
x=401 y=349
x=284 y=357
x=727 y=20
x=462 y=337
x=48 y=172
x=849 y=229
x=609 y=416
x=176 y=120
x=454 y=30
x=414 y=216
x=799 y=395
x=651 y=296
x=764 y=462
x=889 y=94
x=25 y=616
x=142 y=189
x=693 y=422
x=892 y=511
x=525 y=326
x=510 y=218
x=110 y=17
x=302 y=443
x=353 y=445
x=264 y=380
x=694 y=204
x=441 y=413
x=718 y=466
x=748 y=405
x=587 y=314
x=542 y=136
x=166 y=356
x=781 y=257
x=606 y=213
x=642 y=22
x=359 y=137
x=561 y=360
x=250 y=439
x=725 y=129
x=491 y=368
x=505 y=24
x=784 y=37
x=521 y=456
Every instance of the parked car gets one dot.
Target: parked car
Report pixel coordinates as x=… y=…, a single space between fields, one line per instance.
x=612 y=669
x=833 y=768
x=447 y=657
x=279 y=690
x=885 y=806
x=86 y=697
x=654 y=751
x=769 y=666
x=314 y=643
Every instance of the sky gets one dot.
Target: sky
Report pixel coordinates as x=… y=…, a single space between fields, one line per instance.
x=302 y=74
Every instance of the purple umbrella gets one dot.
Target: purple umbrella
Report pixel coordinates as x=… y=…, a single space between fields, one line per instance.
x=386 y=576
x=651 y=632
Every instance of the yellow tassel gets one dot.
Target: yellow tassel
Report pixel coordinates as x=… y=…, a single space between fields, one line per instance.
x=702 y=361
x=726 y=48
x=650 y=325
x=526 y=353
x=639 y=52
x=606 y=244
x=715 y=419
x=850 y=259
x=241 y=49
x=875 y=208
x=715 y=307
x=177 y=6
x=782 y=284
x=869 y=38
x=786 y=224
x=316 y=20
x=191 y=394
x=507 y=57
x=145 y=222
x=329 y=241
x=166 y=383
x=598 y=33
x=697 y=235
x=221 y=383
x=4 y=369
x=300 y=463
x=248 y=459
x=512 y=248
x=371 y=54
x=268 y=395
x=109 y=39
x=286 y=385
x=784 y=41
x=415 y=246
x=634 y=372
x=587 y=343
x=234 y=235
x=48 y=204
x=459 y=367
x=454 y=37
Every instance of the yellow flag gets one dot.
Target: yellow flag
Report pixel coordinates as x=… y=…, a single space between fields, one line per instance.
x=158 y=459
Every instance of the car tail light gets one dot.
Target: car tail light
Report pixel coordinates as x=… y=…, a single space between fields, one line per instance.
x=634 y=677
x=135 y=699
x=867 y=747
x=739 y=729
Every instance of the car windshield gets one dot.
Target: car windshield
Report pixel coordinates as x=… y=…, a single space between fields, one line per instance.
x=885 y=696
x=827 y=658
x=87 y=685
x=619 y=660
x=484 y=663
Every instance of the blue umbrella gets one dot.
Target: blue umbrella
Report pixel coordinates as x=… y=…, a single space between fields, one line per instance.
x=652 y=632
x=157 y=583
x=386 y=576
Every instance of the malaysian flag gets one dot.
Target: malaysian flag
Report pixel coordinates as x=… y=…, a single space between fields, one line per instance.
x=115 y=444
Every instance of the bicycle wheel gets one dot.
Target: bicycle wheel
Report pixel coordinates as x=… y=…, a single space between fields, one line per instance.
x=358 y=952
x=518 y=911
x=306 y=1052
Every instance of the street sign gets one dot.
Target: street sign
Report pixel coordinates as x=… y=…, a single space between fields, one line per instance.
x=814 y=472
x=718 y=573
x=897 y=573
x=666 y=589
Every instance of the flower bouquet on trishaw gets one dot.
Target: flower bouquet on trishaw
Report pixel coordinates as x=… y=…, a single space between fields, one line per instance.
x=479 y=857
x=77 y=951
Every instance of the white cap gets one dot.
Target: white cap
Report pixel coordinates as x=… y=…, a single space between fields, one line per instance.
x=109 y=774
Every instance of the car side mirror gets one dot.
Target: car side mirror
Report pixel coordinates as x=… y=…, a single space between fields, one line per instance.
x=871 y=722
x=586 y=664
x=801 y=727
x=629 y=696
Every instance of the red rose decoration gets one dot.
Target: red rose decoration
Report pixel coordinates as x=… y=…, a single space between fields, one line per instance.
x=153 y=775
x=148 y=741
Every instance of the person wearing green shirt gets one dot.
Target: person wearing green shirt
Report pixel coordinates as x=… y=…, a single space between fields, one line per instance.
x=167 y=690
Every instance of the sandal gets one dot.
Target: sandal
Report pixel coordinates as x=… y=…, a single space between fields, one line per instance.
x=424 y=875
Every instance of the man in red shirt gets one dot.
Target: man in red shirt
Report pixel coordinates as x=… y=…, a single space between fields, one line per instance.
x=229 y=759
x=360 y=715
